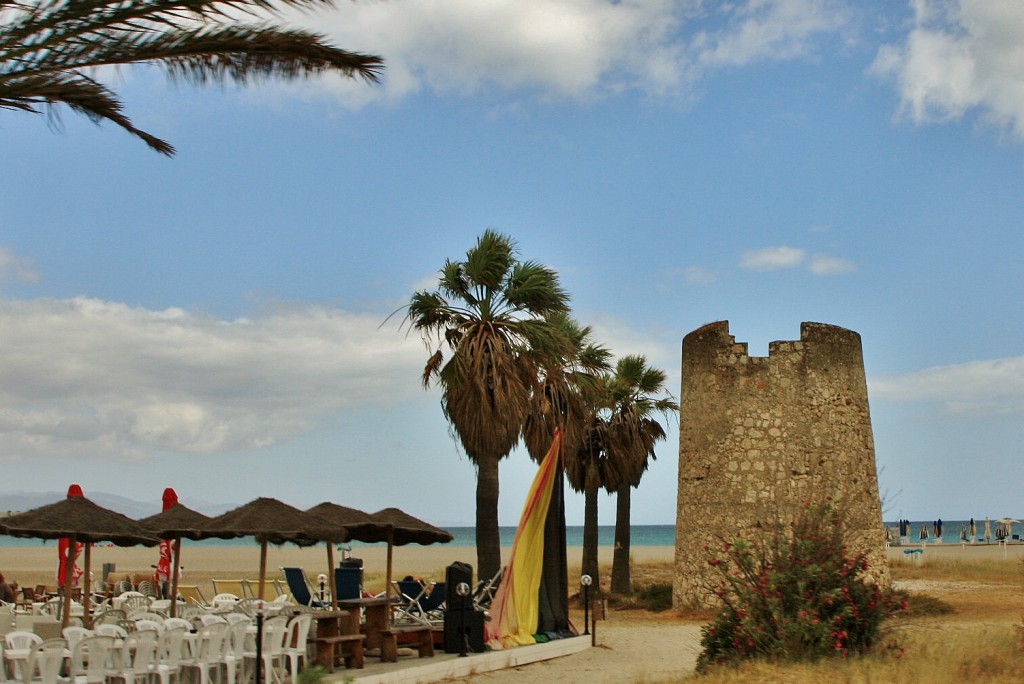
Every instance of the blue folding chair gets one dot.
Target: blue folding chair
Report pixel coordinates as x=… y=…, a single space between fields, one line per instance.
x=298 y=585
x=348 y=582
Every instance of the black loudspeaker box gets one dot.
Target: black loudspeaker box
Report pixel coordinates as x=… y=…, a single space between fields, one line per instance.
x=453 y=574
x=473 y=623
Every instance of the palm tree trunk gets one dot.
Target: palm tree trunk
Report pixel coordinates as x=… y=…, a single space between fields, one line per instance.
x=621 y=581
x=488 y=540
x=590 y=536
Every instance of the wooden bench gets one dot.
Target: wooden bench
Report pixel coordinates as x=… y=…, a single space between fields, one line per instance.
x=419 y=637
x=351 y=650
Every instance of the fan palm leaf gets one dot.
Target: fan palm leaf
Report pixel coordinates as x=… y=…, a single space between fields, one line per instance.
x=52 y=50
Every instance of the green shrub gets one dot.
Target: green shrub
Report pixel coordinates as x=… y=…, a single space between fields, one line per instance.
x=655 y=597
x=796 y=594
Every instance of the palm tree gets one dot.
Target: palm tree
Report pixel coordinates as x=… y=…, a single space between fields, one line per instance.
x=585 y=470
x=489 y=310
x=631 y=433
x=569 y=385
x=50 y=50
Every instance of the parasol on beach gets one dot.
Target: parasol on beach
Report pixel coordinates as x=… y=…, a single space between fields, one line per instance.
x=988 y=530
x=353 y=522
x=171 y=526
x=1008 y=526
x=79 y=520
x=272 y=522
x=397 y=528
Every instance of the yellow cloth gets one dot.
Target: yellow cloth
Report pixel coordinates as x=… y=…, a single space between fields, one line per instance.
x=515 y=610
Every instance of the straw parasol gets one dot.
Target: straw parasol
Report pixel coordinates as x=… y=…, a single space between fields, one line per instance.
x=272 y=521
x=80 y=520
x=398 y=528
x=177 y=522
x=354 y=523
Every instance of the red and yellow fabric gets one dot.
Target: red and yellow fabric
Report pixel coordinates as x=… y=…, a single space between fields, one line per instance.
x=515 y=610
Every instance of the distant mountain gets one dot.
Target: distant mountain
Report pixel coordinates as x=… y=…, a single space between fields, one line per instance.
x=23 y=501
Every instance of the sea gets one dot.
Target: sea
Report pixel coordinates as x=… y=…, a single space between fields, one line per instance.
x=640 y=535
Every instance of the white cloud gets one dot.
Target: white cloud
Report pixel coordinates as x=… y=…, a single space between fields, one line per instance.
x=988 y=387
x=828 y=265
x=772 y=258
x=90 y=377
x=567 y=48
x=20 y=268
x=960 y=57
x=698 y=275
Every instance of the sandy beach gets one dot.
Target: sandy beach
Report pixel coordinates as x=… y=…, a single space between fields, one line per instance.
x=34 y=565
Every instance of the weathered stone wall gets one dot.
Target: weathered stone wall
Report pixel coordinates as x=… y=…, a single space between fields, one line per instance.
x=759 y=436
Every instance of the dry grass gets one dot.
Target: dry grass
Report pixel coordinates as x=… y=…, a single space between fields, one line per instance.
x=982 y=640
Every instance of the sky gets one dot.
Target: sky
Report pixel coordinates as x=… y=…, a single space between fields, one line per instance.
x=221 y=322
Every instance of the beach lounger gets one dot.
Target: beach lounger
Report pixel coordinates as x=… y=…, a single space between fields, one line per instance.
x=191 y=595
x=348 y=582
x=300 y=588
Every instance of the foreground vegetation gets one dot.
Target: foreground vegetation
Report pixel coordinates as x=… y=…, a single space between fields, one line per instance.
x=963 y=625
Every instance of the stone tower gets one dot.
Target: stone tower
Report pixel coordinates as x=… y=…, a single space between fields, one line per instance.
x=758 y=436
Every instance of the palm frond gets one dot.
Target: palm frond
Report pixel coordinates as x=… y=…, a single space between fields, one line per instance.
x=48 y=48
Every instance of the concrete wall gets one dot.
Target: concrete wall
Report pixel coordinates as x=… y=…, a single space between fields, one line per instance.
x=759 y=436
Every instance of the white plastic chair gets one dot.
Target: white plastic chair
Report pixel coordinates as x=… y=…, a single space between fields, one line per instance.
x=176 y=622
x=208 y=650
x=44 y=662
x=211 y=619
x=275 y=630
x=91 y=660
x=146 y=625
x=169 y=650
x=295 y=643
x=18 y=645
x=137 y=656
x=234 y=649
x=115 y=631
x=74 y=634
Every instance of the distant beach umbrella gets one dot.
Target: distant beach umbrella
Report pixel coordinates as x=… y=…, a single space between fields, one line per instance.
x=1008 y=526
x=988 y=529
x=79 y=520
x=172 y=525
x=973 y=530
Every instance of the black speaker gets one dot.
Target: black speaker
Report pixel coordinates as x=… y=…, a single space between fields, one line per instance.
x=453 y=574
x=473 y=623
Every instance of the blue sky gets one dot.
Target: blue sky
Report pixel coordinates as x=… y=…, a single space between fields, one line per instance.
x=216 y=322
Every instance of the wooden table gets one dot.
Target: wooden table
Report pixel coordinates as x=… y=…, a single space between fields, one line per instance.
x=330 y=625
x=376 y=611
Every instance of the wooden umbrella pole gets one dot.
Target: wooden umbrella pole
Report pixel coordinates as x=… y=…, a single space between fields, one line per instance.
x=87 y=586
x=331 y=576
x=69 y=561
x=263 y=567
x=174 y=576
x=387 y=587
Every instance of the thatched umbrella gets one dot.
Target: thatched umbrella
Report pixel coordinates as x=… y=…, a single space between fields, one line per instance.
x=399 y=529
x=177 y=522
x=274 y=522
x=80 y=520
x=354 y=523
